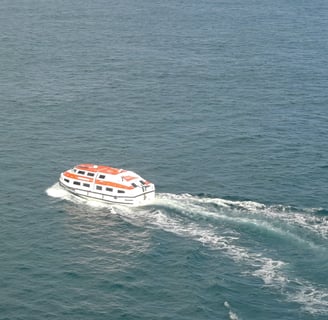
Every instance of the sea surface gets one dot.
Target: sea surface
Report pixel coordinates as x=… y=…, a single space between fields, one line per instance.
x=222 y=104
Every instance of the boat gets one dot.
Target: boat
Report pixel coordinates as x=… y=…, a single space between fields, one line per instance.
x=112 y=185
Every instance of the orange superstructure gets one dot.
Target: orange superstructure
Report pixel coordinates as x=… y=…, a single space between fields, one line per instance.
x=108 y=184
x=96 y=168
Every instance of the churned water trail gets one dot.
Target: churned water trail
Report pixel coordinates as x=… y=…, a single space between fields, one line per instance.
x=234 y=228
x=279 y=219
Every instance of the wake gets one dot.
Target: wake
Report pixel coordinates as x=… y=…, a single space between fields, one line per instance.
x=218 y=224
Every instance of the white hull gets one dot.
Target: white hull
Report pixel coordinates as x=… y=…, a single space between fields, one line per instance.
x=111 y=185
x=140 y=200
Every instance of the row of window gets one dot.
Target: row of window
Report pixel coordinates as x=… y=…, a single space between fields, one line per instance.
x=109 y=189
x=89 y=174
x=84 y=184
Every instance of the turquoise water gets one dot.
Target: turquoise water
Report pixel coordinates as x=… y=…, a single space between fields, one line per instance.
x=222 y=104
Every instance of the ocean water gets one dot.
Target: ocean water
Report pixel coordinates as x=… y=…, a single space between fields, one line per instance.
x=222 y=104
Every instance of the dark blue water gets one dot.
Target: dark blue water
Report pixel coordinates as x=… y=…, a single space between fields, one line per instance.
x=222 y=104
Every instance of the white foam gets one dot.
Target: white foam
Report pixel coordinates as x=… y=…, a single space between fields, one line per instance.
x=271 y=271
x=317 y=225
x=232 y=315
x=194 y=207
x=265 y=268
x=287 y=219
x=314 y=300
x=242 y=212
x=56 y=191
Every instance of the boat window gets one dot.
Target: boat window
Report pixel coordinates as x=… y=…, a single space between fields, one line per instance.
x=90 y=174
x=134 y=185
x=142 y=182
x=66 y=180
x=120 y=191
x=109 y=189
x=81 y=172
x=77 y=183
x=102 y=176
x=86 y=185
x=98 y=187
